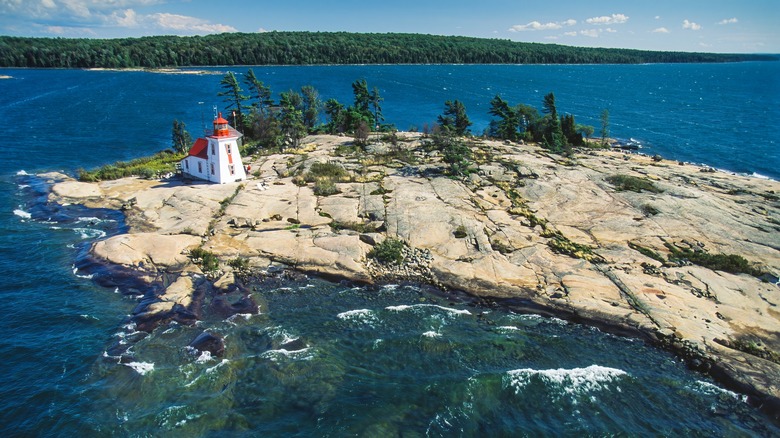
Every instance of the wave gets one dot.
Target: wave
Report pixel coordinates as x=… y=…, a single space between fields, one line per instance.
x=571 y=381
x=21 y=173
x=449 y=310
x=432 y=334
x=364 y=316
x=22 y=214
x=141 y=368
x=90 y=233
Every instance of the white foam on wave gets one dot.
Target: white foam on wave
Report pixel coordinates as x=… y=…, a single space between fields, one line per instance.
x=21 y=173
x=571 y=381
x=275 y=355
x=90 y=233
x=712 y=389
x=363 y=316
x=404 y=307
x=22 y=214
x=76 y=273
x=432 y=334
x=141 y=368
x=24 y=186
x=508 y=328
x=93 y=220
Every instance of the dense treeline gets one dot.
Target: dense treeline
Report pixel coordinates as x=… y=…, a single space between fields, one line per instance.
x=298 y=48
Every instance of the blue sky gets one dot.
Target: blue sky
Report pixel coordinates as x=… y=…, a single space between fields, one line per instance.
x=699 y=25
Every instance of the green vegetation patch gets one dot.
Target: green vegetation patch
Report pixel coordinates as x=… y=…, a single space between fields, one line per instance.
x=647 y=252
x=331 y=171
x=390 y=251
x=146 y=167
x=460 y=232
x=626 y=183
x=756 y=349
x=354 y=226
x=207 y=260
x=733 y=263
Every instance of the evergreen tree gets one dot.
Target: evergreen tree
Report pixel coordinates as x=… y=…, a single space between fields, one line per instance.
x=455 y=118
x=554 y=138
x=363 y=102
x=258 y=90
x=506 y=126
x=570 y=132
x=181 y=138
x=375 y=101
x=604 y=127
x=311 y=106
x=233 y=97
x=291 y=118
x=336 y=115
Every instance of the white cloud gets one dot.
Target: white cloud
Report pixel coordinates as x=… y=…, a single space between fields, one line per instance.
x=186 y=24
x=657 y=17
x=570 y=33
x=593 y=33
x=729 y=21
x=126 y=18
x=535 y=25
x=610 y=30
x=83 y=17
x=608 y=19
x=661 y=30
x=691 y=25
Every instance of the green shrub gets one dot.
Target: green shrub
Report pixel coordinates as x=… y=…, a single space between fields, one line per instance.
x=388 y=252
x=145 y=167
x=354 y=226
x=733 y=263
x=624 y=183
x=460 y=232
x=325 y=187
x=239 y=264
x=325 y=170
x=207 y=260
x=647 y=252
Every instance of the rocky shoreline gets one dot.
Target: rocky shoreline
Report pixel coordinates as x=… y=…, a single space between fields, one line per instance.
x=635 y=245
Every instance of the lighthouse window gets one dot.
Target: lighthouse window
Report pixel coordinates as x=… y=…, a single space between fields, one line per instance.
x=200 y=167
x=187 y=163
x=227 y=146
x=232 y=169
x=212 y=168
x=213 y=151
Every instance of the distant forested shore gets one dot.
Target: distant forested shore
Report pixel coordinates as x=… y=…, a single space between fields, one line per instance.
x=309 y=48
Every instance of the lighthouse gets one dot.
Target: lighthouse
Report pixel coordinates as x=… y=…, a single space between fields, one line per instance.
x=216 y=158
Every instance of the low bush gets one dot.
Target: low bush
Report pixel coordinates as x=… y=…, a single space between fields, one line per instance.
x=388 y=252
x=624 y=183
x=145 y=167
x=207 y=260
x=733 y=263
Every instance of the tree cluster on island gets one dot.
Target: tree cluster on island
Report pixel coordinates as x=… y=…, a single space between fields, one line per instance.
x=269 y=125
x=309 y=48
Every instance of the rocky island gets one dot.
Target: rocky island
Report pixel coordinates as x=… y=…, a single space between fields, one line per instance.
x=681 y=255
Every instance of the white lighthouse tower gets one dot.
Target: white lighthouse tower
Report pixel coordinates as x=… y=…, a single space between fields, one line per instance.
x=216 y=158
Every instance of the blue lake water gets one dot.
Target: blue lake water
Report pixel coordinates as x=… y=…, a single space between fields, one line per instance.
x=371 y=362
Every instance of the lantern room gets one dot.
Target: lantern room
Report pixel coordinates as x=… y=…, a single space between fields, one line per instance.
x=221 y=127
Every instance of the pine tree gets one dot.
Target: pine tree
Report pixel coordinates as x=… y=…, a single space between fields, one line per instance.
x=507 y=126
x=234 y=98
x=455 y=118
x=291 y=118
x=258 y=90
x=181 y=138
x=311 y=106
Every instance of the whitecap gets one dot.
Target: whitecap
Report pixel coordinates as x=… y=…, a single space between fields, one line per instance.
x=93 y=220
x=141 y=368
x=508 y=328
x=364 y=316
x=204 y=357
x=24 y=186
x=22 y=214
x=21 y=173
x=708 y=388
x=275 y=355
x=571 y=381
x=449 y=310
x=90 y=233
x=432 y=334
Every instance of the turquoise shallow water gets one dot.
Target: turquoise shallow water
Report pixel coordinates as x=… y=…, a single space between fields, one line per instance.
x=328 y=359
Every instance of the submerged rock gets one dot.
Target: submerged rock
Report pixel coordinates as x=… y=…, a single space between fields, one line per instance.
x=210 y=342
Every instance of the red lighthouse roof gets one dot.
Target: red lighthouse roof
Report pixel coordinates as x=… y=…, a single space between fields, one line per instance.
x=220 y=120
